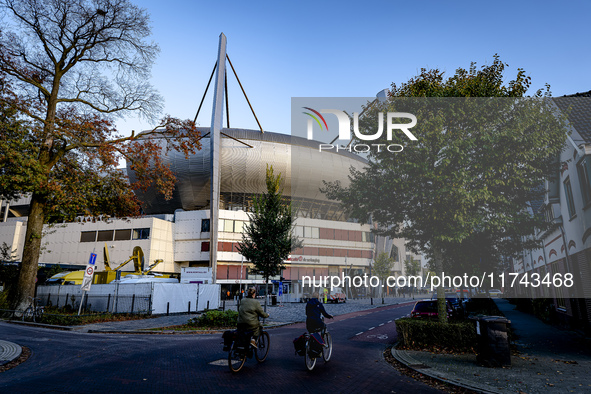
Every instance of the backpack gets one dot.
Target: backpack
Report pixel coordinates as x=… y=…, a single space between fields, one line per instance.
x=299 y=344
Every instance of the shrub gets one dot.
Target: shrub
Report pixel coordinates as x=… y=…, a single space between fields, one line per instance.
x=424 y=334
x=227 y=318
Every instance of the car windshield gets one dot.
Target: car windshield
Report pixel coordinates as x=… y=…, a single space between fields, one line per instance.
x=426 y=307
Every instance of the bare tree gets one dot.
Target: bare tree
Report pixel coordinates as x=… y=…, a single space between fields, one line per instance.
x=75 y=65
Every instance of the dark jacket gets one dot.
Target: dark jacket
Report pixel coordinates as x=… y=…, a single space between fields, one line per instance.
x=314 y=309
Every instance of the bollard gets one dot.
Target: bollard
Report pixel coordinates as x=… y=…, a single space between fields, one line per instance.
x=207 y=305
x=167 y=308
x=132 y=302
x=223 y=306
x=66 y=304
x=189 y=309
x=108 y=302
x=48 y=298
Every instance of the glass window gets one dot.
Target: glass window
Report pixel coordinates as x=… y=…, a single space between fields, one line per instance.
x=88 y=236
x=315 y=232
x=299 y=231
x=105 y=236
x=568 y=192
x=585 y=180
x=394 y=253
x=123 y=235
x=238 y=226
x=228 y=226
x=204 y=225
x=205 y=246
x=141 y=233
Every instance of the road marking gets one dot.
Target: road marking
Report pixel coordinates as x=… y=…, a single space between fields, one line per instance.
x=372 y=328
x=359 y=333
x=221 y=362
x=381 y=324
x=389 y=321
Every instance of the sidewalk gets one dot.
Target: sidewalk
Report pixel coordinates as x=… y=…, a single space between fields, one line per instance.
x=547 y=360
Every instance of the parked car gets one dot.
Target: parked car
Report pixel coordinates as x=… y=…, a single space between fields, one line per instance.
x=495 y=293
x=427 y=309
x=454 y=300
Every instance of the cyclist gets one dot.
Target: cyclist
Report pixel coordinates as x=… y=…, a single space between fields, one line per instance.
x=314 y=309
x=248 y=315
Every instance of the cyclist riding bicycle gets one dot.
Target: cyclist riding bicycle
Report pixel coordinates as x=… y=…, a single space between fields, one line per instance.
x=314 y=311
x=248 y=315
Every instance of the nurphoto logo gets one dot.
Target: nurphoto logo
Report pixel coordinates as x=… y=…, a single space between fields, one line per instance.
x=344 y=125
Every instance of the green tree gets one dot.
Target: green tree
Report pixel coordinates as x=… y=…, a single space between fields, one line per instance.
x=382 y=268
x=268 y=237
x=473 y=169
x=71 y=67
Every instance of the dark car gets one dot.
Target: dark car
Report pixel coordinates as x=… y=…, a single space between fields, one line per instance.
x=427 y=309
x=454 y=300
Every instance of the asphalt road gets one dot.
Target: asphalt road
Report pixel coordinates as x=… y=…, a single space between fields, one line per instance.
x=72 y=362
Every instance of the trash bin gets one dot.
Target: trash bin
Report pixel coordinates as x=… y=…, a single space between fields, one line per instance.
x=493 y=341
x=273 y=299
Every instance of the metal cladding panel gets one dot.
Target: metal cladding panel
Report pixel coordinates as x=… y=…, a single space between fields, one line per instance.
x=243 y=169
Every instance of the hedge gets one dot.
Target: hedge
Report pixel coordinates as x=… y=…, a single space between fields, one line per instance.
x=420 y=334
x=215 y=318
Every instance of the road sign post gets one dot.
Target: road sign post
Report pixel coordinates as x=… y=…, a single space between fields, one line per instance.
x=87 y=280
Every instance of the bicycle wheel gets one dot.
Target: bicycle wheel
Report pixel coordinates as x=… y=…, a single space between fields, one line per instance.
x=236 y=360
x=39 y=314
x=263 y=344
x=327 y=350
x=310 y=361
x=29 y=314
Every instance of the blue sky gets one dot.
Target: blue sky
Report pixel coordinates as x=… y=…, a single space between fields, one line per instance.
x=354 y=49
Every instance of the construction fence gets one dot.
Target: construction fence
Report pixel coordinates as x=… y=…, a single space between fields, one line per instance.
x=150 y=298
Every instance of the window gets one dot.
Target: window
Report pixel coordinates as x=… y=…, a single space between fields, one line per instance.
x=228 y=226
x=549 y=213
x=568 y=192
x=204 y=225
x=584 y=171
x=205 y=246
x=559 y=292
x=141 y=233
x=366 y=236
x=123 y=235
x=394 y=253
x=311 y=232
x=88 y=236
x=238 y=226
x=105 y=236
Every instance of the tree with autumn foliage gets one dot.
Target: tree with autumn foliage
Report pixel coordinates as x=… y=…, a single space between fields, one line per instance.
x=68 y=69
x=481 y=153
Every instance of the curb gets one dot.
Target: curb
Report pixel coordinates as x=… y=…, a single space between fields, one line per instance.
x=151 y=331
x=9 y=352
x=406 y=359
x=41 y=325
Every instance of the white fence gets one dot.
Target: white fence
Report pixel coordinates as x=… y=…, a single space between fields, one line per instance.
x=155 y=298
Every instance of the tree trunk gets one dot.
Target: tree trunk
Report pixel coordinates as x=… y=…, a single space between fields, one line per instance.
x=32 y=248
x=441 y=304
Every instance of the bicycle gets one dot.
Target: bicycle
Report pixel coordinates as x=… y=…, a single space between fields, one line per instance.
x=310 y=355
x=241 y=349
x=34 y=312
